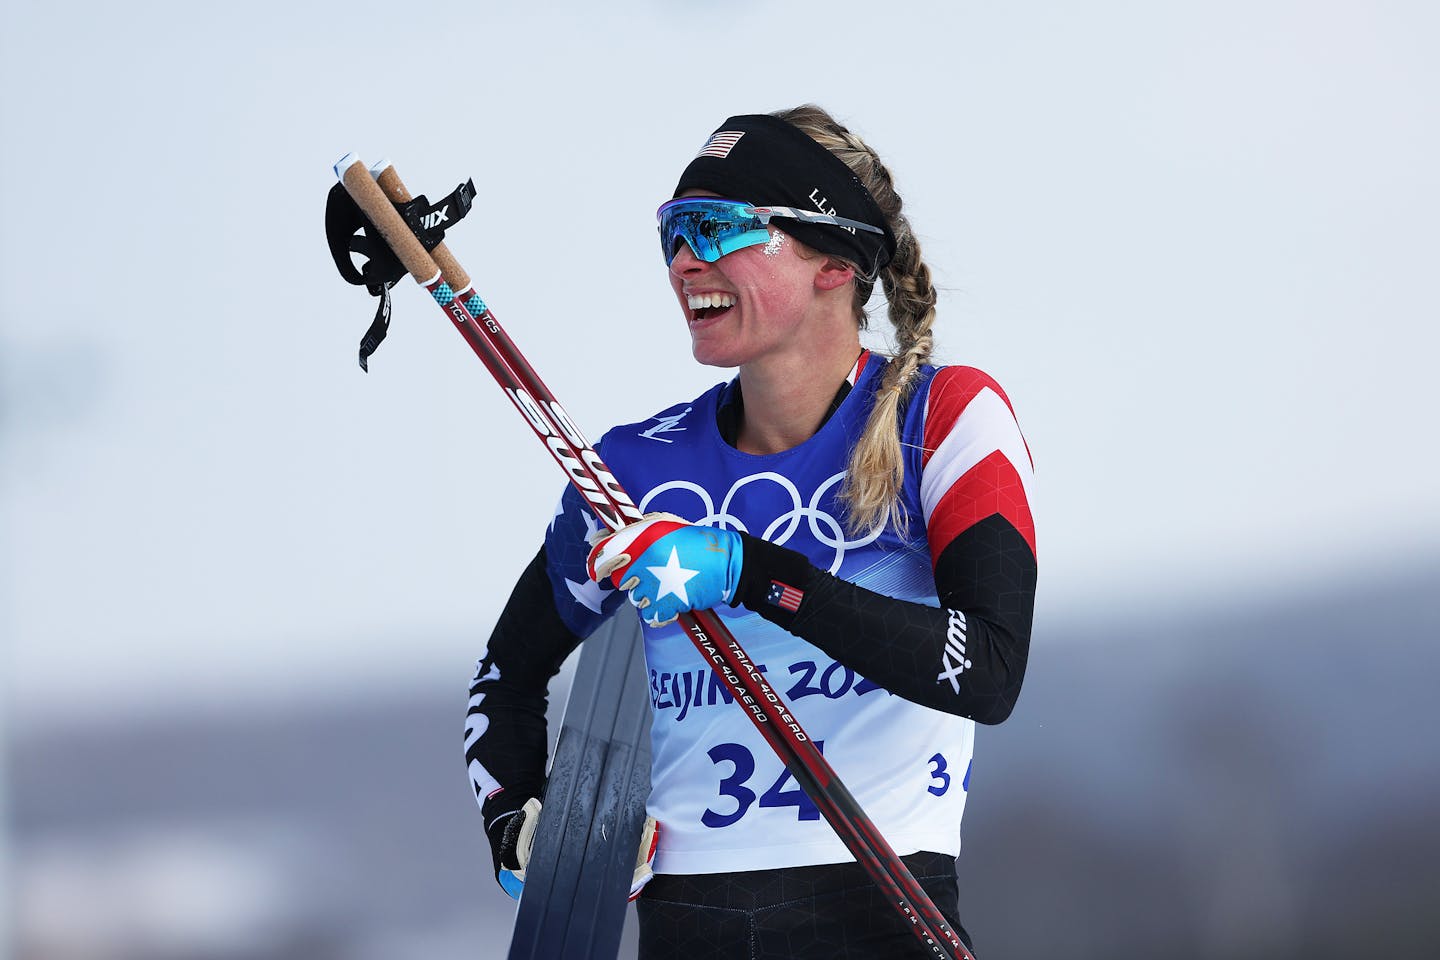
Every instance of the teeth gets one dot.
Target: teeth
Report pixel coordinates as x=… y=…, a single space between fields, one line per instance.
x=703 y=300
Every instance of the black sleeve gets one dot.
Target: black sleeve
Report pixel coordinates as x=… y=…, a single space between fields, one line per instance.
x=966 y=657
x=505 y=732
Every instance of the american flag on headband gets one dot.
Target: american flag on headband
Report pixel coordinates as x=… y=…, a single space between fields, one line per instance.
x=784 y=596
x=720 y=144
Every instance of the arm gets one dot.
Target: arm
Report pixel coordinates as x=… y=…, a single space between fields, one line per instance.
x=966 y=657
x=551 y=610
x=973 y=473
x=505 y=731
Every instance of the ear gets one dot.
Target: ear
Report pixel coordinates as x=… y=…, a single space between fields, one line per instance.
x=833 y=274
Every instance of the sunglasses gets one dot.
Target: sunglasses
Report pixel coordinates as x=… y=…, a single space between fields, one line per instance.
x=714 y=227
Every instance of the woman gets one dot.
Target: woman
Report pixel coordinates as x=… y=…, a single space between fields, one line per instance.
x=862 y=525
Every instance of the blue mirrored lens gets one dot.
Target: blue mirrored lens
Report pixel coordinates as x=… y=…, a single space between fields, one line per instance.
x=712 y=227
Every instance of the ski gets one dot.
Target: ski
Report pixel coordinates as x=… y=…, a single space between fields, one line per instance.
x=578 y=879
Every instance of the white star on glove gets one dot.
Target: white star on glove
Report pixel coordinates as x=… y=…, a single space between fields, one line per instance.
x=672 y=578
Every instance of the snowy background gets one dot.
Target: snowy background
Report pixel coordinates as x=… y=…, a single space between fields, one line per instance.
x=243 y=583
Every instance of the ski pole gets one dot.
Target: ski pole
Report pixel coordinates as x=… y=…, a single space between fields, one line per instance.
x=597 y=485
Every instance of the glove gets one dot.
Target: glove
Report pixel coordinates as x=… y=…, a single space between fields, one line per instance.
x=669 y=566
x=649 y=840
x=512 y=837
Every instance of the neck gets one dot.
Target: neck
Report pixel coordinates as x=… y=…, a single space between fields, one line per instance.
x=787 y=397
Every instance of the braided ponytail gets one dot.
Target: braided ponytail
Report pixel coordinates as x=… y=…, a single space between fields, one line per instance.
x=871 y=492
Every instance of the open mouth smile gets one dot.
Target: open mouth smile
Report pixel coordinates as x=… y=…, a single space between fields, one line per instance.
x=709 y=306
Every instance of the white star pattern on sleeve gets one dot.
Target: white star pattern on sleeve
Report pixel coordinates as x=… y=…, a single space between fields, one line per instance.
x=592 y=526
x=673 y=578
x=590 y=593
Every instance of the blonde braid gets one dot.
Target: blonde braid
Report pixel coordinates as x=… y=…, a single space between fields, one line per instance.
x=871 y=492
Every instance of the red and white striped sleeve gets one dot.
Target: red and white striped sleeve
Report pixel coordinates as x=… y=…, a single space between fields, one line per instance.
x=975 y=462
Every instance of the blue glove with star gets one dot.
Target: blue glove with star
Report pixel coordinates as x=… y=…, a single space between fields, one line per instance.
x=669 y=566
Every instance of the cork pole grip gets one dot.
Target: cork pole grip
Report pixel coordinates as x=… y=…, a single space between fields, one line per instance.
x=369 y=198
x=394 y=188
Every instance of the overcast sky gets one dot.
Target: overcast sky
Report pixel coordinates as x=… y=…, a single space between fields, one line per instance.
x=1196 y=242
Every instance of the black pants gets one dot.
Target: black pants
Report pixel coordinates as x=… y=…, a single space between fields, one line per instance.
x=797 y=913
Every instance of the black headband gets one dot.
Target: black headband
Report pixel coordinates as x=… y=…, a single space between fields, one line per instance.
x=766 y=161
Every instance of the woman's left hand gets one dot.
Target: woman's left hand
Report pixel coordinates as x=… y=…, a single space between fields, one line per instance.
x=669 y=566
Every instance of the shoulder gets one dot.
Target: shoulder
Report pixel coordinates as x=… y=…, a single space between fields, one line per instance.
x=953 y=397
x=975 y=462
x=949 y=391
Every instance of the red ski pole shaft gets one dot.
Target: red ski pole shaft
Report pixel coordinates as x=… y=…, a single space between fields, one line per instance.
x=594 y=481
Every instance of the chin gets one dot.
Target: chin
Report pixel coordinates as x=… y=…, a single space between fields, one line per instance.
x=713 y=355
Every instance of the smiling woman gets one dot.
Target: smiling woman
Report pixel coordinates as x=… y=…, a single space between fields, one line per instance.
x=862 y=525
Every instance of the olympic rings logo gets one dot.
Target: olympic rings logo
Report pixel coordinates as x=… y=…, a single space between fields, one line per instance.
x=824 y=527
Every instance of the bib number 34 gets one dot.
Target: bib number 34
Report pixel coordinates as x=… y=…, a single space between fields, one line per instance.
x=735 y=786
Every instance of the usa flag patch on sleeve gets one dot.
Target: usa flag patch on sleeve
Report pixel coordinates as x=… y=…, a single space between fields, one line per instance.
x=784 y=596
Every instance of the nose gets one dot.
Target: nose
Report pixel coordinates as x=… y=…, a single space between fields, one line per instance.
x=685 y=263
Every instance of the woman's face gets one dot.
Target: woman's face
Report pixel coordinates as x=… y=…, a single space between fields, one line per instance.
x=755 y=301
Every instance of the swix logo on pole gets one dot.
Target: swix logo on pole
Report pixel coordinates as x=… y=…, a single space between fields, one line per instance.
x=587 y=471
x=434 y=218
x=572 y=432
